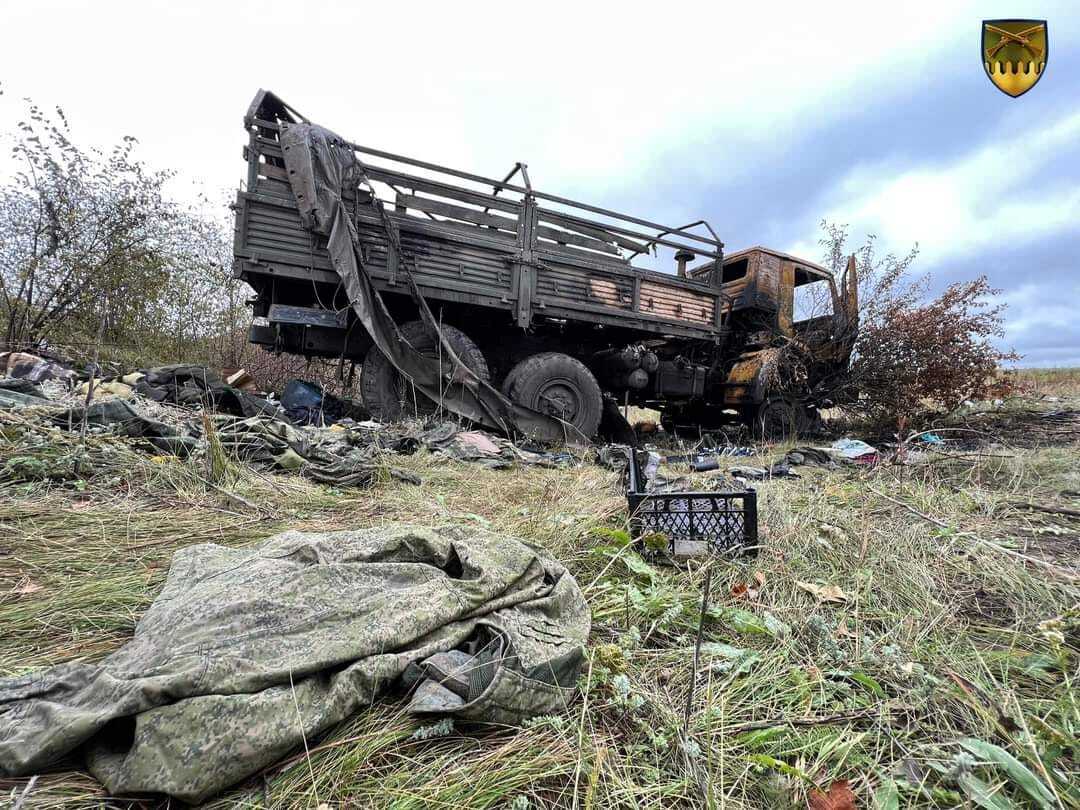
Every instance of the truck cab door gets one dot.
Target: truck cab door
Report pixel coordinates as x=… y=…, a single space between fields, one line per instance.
x=765 y=292
x=785 y=299
x=847 y=314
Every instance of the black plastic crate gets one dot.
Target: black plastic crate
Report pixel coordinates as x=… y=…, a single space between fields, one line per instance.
x=725 y=522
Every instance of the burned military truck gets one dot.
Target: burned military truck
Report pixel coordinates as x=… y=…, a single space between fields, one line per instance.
x=517 y=308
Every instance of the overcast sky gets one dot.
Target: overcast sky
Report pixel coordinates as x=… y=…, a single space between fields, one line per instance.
x=764 y=120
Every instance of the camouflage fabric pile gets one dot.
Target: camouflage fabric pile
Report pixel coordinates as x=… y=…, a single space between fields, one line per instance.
x=248 y=651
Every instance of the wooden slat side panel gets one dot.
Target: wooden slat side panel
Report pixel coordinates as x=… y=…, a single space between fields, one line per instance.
x=677 y=304
x=458 y=267
x=596 y=231
x=565 y=253
x=278 y=230
x=564 y=286
x=276 y=187
x=273 y=172
x=488 y=237
x=569 y=238
x=268 y=146
x=470 y=215
x=443 y=190
x=453 y=266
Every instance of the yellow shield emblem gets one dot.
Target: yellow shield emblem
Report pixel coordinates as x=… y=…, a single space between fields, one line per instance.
x=1014 y=53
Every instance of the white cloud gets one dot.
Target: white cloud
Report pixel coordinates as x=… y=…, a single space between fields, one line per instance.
x=1039 y=310
x=588 y=93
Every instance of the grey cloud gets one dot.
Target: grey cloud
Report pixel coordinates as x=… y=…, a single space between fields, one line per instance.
x=780 y=186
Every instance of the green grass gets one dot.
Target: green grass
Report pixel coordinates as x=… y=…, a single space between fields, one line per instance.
x=947 y=631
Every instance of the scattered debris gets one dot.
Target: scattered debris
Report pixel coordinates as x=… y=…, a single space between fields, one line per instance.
x=810 y=457
x=778 y=470
x=690 y=524
x=127 y=421
x=705 y=459
x=305 y=403
x=856 y=450
x=105 y=390
x=198 y=385
x=19 y=392
x=241 y=379
x=331 y=441
x=20 y=385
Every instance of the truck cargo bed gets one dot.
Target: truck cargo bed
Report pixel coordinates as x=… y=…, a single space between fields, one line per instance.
x=502 y=251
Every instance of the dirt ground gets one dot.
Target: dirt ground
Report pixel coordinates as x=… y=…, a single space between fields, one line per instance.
x=895 y=614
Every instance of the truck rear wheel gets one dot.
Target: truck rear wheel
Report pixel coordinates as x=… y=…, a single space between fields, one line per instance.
x=558 y=385
x=389 y=396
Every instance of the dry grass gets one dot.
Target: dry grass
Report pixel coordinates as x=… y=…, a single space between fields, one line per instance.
x=941 y=635
x=1041 y=382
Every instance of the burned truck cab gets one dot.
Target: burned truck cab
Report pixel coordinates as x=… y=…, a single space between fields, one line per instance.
x=776 y=303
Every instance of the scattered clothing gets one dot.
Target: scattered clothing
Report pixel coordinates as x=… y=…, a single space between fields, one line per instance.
x=809 y=457
x=749 y=473
x=248 y=652
x=199 y=386
x=113 y=388
x=126 y=421
x=31 y=367
x=19 y=392
x=706 y=459
x=10 y=399
x=21 y=385
x=160 y=405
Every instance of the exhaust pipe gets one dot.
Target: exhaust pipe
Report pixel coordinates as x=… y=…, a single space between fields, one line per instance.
x=681 y=258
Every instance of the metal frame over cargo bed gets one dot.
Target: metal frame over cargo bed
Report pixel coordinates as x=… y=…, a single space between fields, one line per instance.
x=479 y=241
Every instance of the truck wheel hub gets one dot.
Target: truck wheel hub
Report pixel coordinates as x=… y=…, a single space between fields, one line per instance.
x=559 y=398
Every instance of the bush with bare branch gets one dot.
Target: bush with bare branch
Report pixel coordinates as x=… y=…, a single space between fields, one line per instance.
x=915 y=355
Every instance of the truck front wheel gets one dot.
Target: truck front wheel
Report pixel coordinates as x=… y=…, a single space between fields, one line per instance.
x=782 y=418
x=560 y=386
x=389 y=396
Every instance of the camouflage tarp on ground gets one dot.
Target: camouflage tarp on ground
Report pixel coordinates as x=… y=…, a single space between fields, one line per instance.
x=246 y=649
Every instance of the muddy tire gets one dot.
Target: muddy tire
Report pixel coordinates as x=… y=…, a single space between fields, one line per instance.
x=507 y=384
x=558 y=385
x=389 y=396
x=779 y=419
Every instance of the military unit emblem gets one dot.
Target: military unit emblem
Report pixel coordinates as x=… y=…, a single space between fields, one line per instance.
x=1014 y=53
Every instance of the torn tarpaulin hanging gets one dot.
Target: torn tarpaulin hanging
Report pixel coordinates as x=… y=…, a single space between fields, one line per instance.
x=322 y=168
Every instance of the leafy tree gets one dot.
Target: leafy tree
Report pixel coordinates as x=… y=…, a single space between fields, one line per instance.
x=916 y=355
x=95 y=253
x=82 y=231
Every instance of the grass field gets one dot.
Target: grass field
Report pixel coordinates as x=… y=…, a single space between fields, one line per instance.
x=909 y=629
x=1050 y=381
